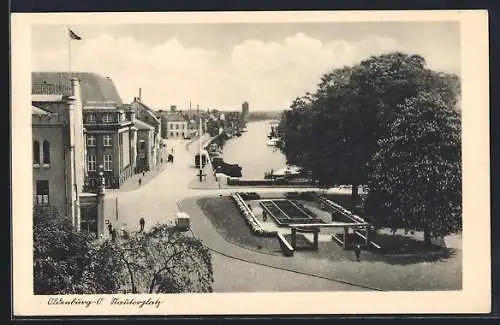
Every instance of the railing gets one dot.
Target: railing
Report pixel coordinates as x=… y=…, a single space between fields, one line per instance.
x=50 y=89
x=340 y=209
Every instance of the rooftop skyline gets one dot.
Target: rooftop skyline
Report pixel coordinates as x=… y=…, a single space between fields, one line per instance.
x=219 y=66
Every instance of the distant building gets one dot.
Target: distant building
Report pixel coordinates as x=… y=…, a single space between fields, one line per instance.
x=145 y=114
x=177 y=125
x=146 y=152
x=59 y=152
x=244 y=109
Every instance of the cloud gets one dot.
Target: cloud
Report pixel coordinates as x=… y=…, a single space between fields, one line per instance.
x=267 y=74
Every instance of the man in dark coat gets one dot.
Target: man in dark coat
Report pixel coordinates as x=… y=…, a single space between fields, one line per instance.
x=110 y=228
x=357 y=251
x=142 y=222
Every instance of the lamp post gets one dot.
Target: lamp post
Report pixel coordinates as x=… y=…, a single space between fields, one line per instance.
x=101 y=175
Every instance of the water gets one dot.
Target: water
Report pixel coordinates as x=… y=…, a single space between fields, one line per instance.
x=251 y=152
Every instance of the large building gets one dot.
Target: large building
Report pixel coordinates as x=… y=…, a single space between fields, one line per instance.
x=110 y=134
x=58 y=152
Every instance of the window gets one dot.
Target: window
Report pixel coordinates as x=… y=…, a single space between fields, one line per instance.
x=91 y=140
x=171 y=134
x=91 y=162
x=36 y=152
x=108 y=118
x=170 y=125
x=177 y=133
x=107 y=163
x=42 y=192
x=142 y=145
x=46 y=152
x=107 y=140
x=177 y=126
x=91 y=118
x=88 y=218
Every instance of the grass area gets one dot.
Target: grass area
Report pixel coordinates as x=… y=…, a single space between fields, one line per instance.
x=231 y=225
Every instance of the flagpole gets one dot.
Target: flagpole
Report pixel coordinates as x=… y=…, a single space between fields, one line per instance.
x=69 y=56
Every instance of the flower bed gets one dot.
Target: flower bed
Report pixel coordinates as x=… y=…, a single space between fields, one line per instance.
x=252 y=221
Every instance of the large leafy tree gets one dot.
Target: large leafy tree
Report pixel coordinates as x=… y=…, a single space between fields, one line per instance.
x=415 y=180
x=164 y=260
x=68 y=262
x=334 y=131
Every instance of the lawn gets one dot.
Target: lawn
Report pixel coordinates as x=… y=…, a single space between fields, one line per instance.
x=231 y=225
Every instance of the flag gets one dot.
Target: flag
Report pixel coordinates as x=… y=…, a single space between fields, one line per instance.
x=72 y=35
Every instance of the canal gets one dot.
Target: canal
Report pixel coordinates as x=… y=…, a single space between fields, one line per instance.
x=252 y=153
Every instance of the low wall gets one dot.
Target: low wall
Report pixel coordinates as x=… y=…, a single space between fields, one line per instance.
x=232 y=181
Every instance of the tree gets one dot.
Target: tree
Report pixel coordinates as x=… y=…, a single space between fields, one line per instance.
x=334 y=132
x=68 y=262
x=164 y=260
x=415 y=181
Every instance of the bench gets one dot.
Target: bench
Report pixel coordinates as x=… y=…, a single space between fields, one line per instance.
x=285 y=245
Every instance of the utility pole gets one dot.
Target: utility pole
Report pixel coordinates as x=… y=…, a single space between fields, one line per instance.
x=200 y=145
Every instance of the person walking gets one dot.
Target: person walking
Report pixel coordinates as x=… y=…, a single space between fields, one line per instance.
x=141 y=223
x=357 y=251
x=113 y=234
x=140 y=181
x=110 y=228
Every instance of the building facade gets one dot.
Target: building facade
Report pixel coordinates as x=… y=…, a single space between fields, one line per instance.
x=146 y=156
x=146 y=115
x=110 y=142
x=58 y=152
x=109 y=134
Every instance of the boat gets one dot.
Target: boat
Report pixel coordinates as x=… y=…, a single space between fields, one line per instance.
x=287 y=171
x=272 y=142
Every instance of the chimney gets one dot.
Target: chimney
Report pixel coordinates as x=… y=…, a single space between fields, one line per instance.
x=140 y=92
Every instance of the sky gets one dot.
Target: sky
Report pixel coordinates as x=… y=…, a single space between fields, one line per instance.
x=219 y=66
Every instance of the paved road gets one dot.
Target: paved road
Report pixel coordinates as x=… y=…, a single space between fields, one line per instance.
x=157 y=202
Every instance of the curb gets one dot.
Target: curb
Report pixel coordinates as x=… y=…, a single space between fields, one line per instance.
x=179 y=205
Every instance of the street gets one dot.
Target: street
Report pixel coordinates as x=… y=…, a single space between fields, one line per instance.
x=156 y=201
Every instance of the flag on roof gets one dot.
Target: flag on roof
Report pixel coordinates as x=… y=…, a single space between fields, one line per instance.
x=73 y=35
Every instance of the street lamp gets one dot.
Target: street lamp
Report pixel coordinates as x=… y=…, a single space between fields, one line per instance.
x=101 y=175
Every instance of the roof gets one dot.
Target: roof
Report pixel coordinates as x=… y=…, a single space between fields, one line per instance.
x=140 y=125
x=145 y=108
x=175 y=117
x=38 y=111
x=93 y=86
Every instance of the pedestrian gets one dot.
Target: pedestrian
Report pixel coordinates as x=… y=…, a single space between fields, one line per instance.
x=141 y=223
x=143 y=173
x=113 y=234
x=357 y=251
x=110 y=228
x=140 y=181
